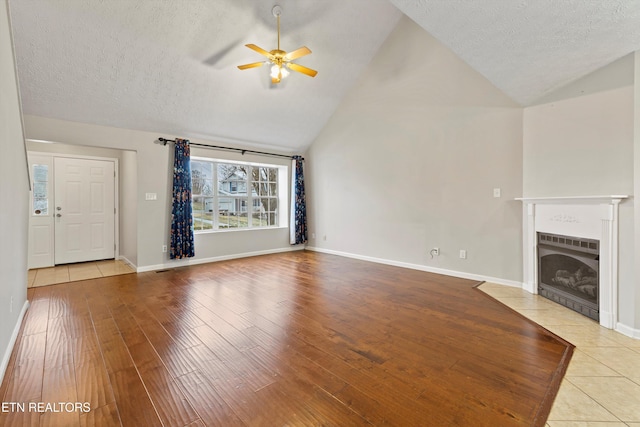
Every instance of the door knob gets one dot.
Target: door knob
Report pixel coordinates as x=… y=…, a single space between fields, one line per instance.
x=58 y=208
x=58 y=215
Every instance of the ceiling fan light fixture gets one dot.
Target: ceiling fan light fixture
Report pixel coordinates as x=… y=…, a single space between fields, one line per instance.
x=275 y=71
x=280 y=60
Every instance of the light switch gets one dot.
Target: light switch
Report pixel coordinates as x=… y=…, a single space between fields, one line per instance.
x=496 y=192
x=151 y=196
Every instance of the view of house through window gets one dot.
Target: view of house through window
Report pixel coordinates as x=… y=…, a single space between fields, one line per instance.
x=234 y=195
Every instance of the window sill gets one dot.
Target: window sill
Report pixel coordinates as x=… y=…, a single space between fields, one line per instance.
x=232 y=230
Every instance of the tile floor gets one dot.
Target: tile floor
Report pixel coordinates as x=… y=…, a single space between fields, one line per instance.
x=602 y=385
x=73 y=272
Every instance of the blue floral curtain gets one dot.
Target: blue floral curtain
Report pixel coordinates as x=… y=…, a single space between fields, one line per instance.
x=181 y=220
x=298 y=226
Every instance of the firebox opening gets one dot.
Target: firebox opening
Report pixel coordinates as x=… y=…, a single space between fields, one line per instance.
x=568 y=270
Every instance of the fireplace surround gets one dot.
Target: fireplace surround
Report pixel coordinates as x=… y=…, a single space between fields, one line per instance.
x=583 y=217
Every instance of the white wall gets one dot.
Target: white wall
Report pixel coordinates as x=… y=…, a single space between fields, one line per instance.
x=580 y=142
x=129 y=206
x=154 y=175
x=14 y=199
x=580 y=146
x=409 y=161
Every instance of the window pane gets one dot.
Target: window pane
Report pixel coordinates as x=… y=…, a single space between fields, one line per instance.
x=259 y=220
x=197 y=204
x=230 y=212
x=207 y=220
x=263 y=189
x=273 y=212
x=208 y=204
x=243 y=220
x=225 y=205
x=40 y=189
x=232 y=179
x=41 y=173
x=40 y=206
x=202 y=178
x=265 y=214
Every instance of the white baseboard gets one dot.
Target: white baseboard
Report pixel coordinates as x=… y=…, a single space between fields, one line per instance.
x=426 y=268
x=628 y=331
x=126 y=261
x=12 y=341
x=186 y=262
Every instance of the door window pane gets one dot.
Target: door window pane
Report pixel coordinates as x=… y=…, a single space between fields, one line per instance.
x=40 y=190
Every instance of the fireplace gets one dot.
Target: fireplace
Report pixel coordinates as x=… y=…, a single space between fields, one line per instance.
x=568 y=272
x=593 y=220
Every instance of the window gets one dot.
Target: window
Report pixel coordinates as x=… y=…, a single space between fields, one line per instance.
x=236 y=195
x=40 y=190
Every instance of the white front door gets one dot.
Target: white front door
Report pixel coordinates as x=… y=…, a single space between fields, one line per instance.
x=84 y=210
x=41 y=211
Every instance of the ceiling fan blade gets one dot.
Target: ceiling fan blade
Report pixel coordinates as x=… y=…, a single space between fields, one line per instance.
x=260 y=50
x=304 y=70
x=252 y=65
x=297 y=53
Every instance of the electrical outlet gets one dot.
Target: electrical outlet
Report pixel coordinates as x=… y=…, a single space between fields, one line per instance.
x=164 y=248
x=463 y=254
x=313 y=235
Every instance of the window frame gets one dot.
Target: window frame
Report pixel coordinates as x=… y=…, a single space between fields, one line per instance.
x=281 y=183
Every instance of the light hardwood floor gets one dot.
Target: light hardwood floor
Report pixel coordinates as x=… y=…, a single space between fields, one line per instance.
x=299 y=338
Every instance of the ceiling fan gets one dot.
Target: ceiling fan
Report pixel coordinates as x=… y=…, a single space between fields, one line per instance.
x=280 y=60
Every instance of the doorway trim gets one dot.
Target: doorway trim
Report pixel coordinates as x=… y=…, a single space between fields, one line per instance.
x=116 y=194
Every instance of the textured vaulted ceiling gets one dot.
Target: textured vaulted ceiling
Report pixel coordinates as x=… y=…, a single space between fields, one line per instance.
x=169 y=66
x=529 y=48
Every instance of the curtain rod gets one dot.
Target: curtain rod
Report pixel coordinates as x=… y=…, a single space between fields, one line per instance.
x=164 y=141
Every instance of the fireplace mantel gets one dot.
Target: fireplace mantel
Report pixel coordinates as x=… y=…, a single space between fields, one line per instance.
x=574 y=200
x=594 y=217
